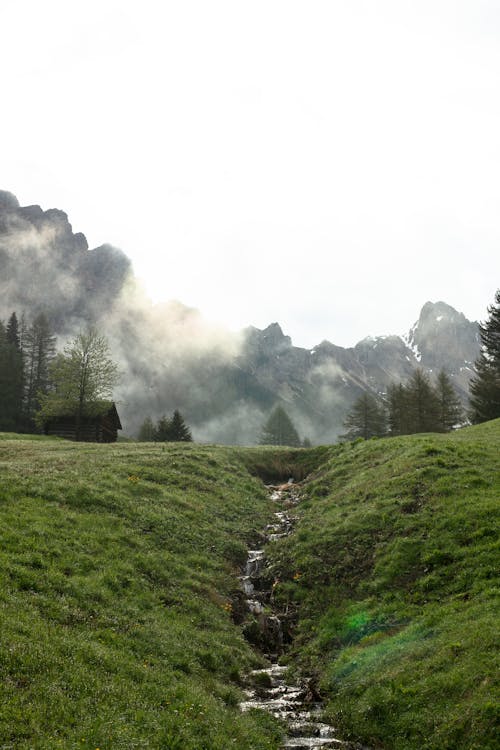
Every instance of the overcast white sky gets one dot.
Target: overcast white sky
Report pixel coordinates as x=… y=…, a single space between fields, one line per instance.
x=329 y=165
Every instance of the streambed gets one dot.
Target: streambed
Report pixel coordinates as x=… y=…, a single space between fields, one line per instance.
x=297 y=705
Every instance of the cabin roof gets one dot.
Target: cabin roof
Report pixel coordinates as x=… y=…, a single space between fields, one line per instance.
x=106 y=409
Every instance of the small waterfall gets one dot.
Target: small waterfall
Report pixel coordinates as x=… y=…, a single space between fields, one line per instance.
x=299 y=706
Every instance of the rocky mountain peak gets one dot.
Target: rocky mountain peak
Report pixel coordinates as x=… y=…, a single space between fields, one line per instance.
x=274 y=337
x=8 y=201
x=443 y=338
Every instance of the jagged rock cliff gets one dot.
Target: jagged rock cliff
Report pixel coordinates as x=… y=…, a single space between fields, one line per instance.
x=45 y=266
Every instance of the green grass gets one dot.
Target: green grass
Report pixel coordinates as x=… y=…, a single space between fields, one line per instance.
x=394 y=570
x=117 y=565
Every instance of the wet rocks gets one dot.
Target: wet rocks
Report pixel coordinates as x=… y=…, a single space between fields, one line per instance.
x=270 y=692
x=298 y=706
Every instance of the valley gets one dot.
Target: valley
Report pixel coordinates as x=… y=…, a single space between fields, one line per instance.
x=121 y=595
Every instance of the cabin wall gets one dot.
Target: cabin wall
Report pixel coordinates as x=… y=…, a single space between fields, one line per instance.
x=96 y=432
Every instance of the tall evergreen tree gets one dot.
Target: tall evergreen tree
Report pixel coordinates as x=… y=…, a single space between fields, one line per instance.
x=12 y=331
x=450 y=412
x=161 y=432
x=485 y=385
x=397 y=410
x=146 y=432
x=179 y=431
x=39 y=352
x=11 y=376
x=423 y=406
x=279 y=430
x=366 y=419
x=172 y=430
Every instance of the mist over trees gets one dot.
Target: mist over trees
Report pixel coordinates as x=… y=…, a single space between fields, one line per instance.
x=39 y=353
x=82 y=379
x=26 y=351
x=485 y=385
x=279 y=429
x=224 y=383
x=166 y=430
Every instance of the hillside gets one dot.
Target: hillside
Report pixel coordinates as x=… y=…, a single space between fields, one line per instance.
x=117 y=566
x=393 y=571
x=119 y=570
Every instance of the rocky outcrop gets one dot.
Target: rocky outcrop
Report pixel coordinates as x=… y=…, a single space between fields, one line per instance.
x=45 y=266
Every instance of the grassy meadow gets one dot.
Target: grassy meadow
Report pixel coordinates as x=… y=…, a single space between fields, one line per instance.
x=119 y=563
x=393 y=571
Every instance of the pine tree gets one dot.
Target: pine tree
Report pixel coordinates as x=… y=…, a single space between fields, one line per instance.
x=12 y=331
x=39 y=348
x=172 y=430
x=146 y=432
x=11 y=376
x=397 y=410
x=366 y=419
x=422 y=401
x=279 y=430
x=179 y=431
x=485 y=386
x=450 y=412
x=162 y=430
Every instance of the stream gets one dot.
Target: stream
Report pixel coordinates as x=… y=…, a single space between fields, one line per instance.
x=298 y=706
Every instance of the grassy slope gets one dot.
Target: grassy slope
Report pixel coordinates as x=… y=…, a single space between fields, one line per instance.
x=117 y=565
x=116 y=570
x=394 y=565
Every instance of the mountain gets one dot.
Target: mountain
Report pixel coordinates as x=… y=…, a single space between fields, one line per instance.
x=224 y=384
x=318 y=386
x=47 y=267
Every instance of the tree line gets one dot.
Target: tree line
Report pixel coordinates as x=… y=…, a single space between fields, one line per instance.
x=422 y=406
x=26 y=353
x=37 y=383
x=416 y=406
x=166 y=430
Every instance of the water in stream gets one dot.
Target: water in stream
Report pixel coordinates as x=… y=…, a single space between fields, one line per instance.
x=298 y=706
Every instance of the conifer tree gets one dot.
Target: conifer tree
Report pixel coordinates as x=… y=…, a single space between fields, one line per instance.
x=161 y=432
x=12 y=331
x=279 y=430
x=172 y=430
x=39 y=350
x=146 y=431
x=11 y=376
x=422 y=403
x=397 y=410
x=485 y=385
x=179 y=431
x=366 y=419
x=450 y=412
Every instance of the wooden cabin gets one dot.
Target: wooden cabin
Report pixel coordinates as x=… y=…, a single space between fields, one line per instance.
x=100 y=428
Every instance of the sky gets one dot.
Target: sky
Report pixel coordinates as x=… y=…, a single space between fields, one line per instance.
x=331 y=165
